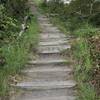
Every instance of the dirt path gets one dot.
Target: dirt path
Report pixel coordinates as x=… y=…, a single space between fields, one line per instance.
x=50 y=76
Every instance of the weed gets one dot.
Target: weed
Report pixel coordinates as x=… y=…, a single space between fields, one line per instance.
x=16 y=55
x=86 y=92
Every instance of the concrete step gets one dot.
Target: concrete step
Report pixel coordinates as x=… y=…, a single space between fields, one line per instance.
x=49 y=56
x=53 y=39
x=50 y=43
x=51 y=35
x=46 y=28
x=44 y=61
x=48 y=69
x=53 y=48
x=35 y=94
x=68 y=65
x=51 y=31
x=46 y=25
x=30 y=97
x=38 y=85
x=49 y=74
x=44 y=22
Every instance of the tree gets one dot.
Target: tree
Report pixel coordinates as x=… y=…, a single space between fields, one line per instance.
x=86 y=7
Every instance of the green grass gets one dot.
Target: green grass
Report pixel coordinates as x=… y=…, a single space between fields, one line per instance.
x=16 y=55
x=86 y=31
x=84 y=66
x=86 y=92
x=82 y=54
x=82 y=70
x=60 y=24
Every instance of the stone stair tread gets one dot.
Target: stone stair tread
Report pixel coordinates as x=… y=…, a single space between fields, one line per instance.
x=47 y=98
x=52 y=35
x=53 y=48
x=50 y=66
x=56 y=46
x=47 y=84
x=44 y=94
x=54 y=39
x=50 y=28
x=50 y=51
x=53 y=43
x=49 y=56
x=49 y=74
x=48 y=93
x=47 y=69
x=46 y=24
x=51 y=31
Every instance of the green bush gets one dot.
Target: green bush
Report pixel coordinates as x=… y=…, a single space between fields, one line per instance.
x=95 y=19
x=8 y=26
x=16 y=8
x=86 y=30
x=16 y=55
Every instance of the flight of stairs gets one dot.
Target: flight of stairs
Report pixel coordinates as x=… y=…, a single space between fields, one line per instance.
x=50 y=77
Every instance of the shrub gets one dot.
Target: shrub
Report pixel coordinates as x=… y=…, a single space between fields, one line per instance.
x=8 y=26
x=95 y=19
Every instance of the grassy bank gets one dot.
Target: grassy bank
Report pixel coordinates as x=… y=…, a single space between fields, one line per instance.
x=83 y=54
x=16 y=55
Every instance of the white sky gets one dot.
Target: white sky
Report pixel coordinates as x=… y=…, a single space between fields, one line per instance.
x=66 y=1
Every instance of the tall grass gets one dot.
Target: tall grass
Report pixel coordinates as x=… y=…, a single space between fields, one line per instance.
x=84 y=63
x=16 y=55
x=81 y=51
x=86 y=92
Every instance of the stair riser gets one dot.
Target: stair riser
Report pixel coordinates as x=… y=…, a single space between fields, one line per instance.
x=69 y=64
x=45 y=63
x=46 y=24
x=50 y=50
x=52 y=32
x=53 y=39
x=51 y=56
x=31 y=88
x=49 y=66
x=53 y=43
x=49 y=28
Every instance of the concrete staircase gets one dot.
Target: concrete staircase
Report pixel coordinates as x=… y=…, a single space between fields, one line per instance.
x=50 y=77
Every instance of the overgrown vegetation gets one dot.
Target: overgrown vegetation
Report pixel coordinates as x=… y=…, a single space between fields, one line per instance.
x=81 y=18
x=14 y=49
